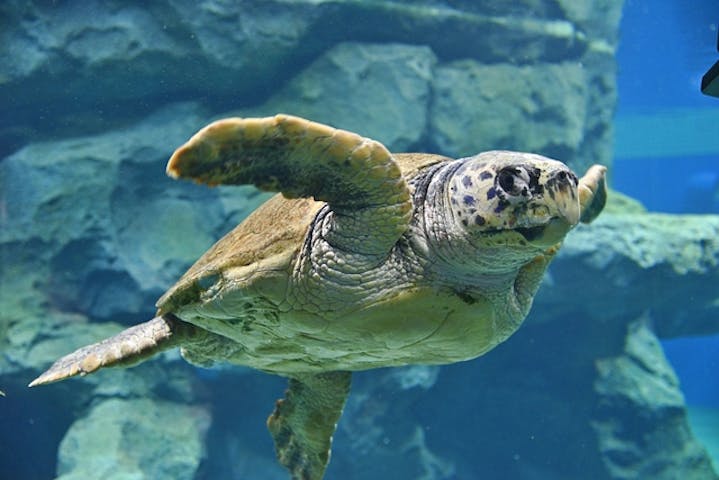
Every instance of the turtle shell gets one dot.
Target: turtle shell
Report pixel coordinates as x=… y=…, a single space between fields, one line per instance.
x=265 y=244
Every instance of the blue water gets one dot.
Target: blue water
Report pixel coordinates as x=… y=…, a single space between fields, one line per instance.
x=665 y=49
x=666 y=155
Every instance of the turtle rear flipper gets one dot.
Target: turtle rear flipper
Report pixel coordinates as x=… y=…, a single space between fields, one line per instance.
x=127 y=348
x=303 y=422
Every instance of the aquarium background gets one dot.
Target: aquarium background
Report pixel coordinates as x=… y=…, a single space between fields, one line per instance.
x=95 y=95
x=663 y=125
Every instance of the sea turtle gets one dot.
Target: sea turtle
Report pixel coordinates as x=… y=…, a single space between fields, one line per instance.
x=366 y=259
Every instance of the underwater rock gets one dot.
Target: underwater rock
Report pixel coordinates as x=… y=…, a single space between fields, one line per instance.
x=70 y=252
x=377 y=90
x=546 y=103
x=134 y=438
x=639 y=399
x=647 y=262
x=563 y=109
x=597 y=145
x=597 y=18
x=104 y=225
x=132 y=58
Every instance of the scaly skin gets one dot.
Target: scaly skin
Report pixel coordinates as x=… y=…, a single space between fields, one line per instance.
x=412 y=259
x=299 y=158
x=303 y=422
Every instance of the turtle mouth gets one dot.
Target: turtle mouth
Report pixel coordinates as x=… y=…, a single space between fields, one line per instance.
x=543 y=235
x=531 y=233
x=547 y=234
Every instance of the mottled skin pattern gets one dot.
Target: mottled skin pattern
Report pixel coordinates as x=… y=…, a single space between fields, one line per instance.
x=366 y=260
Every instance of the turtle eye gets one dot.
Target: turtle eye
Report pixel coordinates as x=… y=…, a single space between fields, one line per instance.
x=513 y=181
x=506 y=180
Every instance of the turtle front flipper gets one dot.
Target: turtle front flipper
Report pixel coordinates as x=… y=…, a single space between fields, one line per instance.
x=303 y=422
x=592 y=193
x=127 y=348
x=356 y=176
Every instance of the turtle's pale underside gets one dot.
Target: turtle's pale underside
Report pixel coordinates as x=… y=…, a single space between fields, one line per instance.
x=366 y=260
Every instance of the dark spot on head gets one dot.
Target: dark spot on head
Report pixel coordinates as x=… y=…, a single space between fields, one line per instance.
x=454 y=201
x=468 y=200
x=567 y=178
x=491 y=193
x=479 y=220
x=485 y=175
x=466 y=181
x=561 y=181
x=534 y=186
x=465 y=222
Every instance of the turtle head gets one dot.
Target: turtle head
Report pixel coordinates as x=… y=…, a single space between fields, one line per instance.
x=519 y=201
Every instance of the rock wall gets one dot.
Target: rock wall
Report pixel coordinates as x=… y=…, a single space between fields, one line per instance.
x=98 y=94
x=76 y=68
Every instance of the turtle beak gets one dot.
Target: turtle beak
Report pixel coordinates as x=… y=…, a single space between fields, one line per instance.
x=548 y=234
x=563 y=196
x=558 y=213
